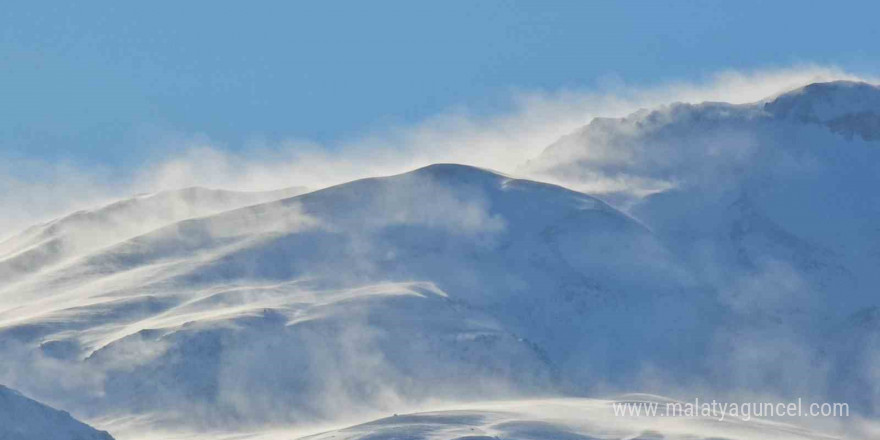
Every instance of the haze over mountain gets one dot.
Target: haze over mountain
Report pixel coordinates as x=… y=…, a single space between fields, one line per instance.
x=727 y=249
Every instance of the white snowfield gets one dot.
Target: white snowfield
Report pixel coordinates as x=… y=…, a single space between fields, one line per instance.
x=729 y=250
x=561 y=419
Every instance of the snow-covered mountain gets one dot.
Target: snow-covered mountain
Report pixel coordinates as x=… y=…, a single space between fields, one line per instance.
x=773 y=206
x=83 y=231
x=728 y=249
x=446 y=282
x=25 y=419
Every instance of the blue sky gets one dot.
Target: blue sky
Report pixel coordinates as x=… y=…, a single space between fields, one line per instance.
x=88 y=82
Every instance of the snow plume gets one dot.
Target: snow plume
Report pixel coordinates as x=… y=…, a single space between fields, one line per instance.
x=35 y=191
x=500 y=142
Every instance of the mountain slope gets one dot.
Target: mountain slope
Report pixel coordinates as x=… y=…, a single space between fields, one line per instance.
x=25 y=419
x=844 y=107
x=779 y=180
x=446 y=282
x=773 y=207
x=79 y=233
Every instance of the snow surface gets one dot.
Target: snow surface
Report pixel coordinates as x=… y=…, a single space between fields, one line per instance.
x=562 y=419
x=25 y=419
x=523 y=419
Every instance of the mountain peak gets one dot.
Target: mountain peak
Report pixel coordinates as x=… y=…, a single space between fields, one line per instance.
x=826 y=102
x=454 y=170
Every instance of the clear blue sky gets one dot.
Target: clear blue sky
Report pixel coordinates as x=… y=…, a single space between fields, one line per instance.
x=82 y=81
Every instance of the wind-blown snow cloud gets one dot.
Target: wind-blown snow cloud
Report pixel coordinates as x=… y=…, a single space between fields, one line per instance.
x=500 y=141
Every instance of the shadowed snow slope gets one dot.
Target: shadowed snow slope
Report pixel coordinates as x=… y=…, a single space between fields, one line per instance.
x=25 y=419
